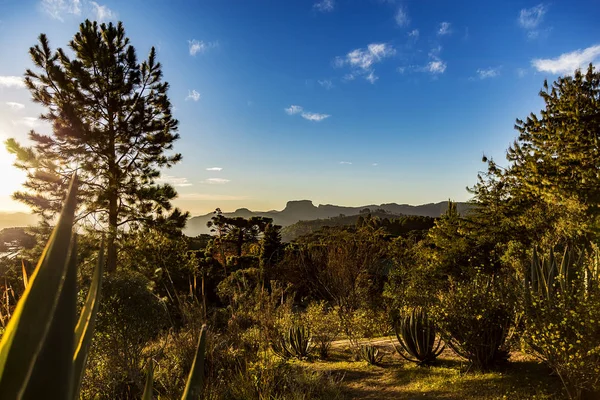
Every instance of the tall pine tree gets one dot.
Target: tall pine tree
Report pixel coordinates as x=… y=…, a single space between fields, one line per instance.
x=111 y=123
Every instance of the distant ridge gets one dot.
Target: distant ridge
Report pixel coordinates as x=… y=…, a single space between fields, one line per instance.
x=14 y=219
x=303 y=210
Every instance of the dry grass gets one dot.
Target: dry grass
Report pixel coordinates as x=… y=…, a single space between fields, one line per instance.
x=522 y=378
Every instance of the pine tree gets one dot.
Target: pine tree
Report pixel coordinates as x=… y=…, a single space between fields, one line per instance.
x=111 y=123
x=550 y=191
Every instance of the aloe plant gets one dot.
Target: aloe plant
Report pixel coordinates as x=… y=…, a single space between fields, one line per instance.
x=44 y=348
x=296 y=342
x=416 y=334
x=370 y=354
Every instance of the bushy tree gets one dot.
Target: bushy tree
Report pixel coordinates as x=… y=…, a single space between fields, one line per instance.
x=111 y=122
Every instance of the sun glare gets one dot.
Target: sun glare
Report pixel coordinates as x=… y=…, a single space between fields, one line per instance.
x=12 y=179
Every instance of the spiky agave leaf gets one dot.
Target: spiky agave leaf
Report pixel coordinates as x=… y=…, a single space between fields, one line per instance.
x=25 y=337
x=195 y=381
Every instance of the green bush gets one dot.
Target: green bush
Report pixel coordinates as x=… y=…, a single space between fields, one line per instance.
x=562 y=317
x=129 y=317
x=475 y=319
x=324 y=326
x=370 y=354
x=416 y=334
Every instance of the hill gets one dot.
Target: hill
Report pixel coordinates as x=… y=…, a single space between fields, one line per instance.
x=11 y=220
x=305 y=210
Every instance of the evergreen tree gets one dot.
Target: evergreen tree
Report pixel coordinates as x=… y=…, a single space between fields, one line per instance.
x=551 y=187
x=111 y=123
x=271 y=250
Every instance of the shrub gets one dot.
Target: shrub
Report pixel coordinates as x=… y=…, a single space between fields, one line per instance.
x=475 y=318
x=416 y=334
x=129 y=317
x=324 y=326
x=562 y=317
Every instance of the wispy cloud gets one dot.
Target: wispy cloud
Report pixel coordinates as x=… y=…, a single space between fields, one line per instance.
x=521 y=72
x=59 y=9
x=375 y=164
x=12 y=81
x=214 y=169
x=102 y=13
x=530 y=20
x=326 y=83
x=345 y=163
x=567 y=63
x=15 y=106
x=193 y=95
x=444 y=29
x=361 y=61
x=291 y=110
x=485 y=73
x=217 y=181
x=175 y=181
x=414 y=33
x=199 y=46
x=436 y=67
x=402 y=18
x=30 y=122
x=314 y=116
x=324 y=5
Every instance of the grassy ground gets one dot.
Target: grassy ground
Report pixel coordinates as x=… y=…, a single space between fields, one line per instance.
x=522 y=378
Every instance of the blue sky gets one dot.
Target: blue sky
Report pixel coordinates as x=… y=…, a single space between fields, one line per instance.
x=348 y=102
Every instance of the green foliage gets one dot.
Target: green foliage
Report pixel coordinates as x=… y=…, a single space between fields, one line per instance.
x=116 y=145
x=475 y=319
x=416 y=334
x=234 y=232
x=44 y=348
x=129 y=317
x=562 y=317
x=296 y=342
x=324 y=326
x=370 y=354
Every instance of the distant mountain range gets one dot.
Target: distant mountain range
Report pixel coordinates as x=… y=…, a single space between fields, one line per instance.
x=11 y=220
x=305 y=210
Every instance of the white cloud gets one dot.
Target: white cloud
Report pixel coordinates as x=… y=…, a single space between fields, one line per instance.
x=214 y=169
x=30 y=122
x=193 y=95
x=375 y=164
x=567 y=63
x=530 y=18
x=291 y=110
x=414 y=33
x=345 y=163
x=488 y=73
x=102 y=13
x=58 y=8
x=15 y=106
x=371 y=77
x=175 y=181
x=361 y=61
x=12 y=81
x=199 y=46
x=216 y=181
x=436 y=67
x=444 y=29
x=326 y=83
x=324 y=5
x=314 y=116
x=402 y=18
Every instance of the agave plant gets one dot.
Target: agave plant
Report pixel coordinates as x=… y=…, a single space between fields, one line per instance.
x=370 y=354
x=296 y=342
x=45 y=346
x=416 y=334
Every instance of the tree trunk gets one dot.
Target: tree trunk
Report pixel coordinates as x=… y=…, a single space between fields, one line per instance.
x=111 y=259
